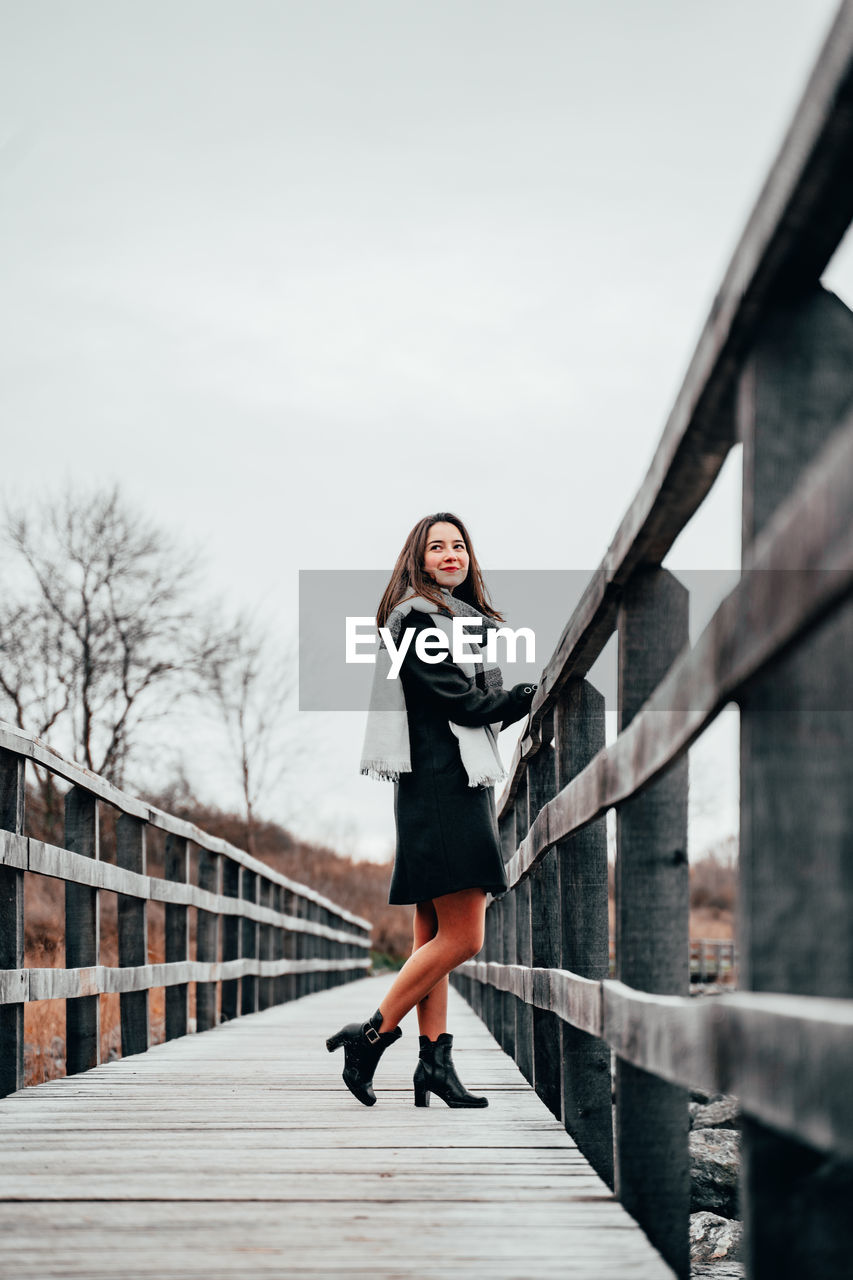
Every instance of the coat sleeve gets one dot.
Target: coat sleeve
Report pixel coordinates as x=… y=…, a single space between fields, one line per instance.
x=446 y=685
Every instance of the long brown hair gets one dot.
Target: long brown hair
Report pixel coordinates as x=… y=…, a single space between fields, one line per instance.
x=410 y=578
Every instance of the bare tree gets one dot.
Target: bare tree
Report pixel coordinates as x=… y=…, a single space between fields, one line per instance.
x=99 y=626
x=251 y=680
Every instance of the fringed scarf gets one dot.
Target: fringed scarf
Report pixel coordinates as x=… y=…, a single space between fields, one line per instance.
x=386 y=752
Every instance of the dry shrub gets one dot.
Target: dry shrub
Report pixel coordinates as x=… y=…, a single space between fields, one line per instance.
x=713 y=881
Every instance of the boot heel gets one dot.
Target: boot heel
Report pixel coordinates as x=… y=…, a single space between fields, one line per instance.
x=421 y=1095
x=334 y=1042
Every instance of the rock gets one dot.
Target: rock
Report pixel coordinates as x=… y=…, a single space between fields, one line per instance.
x=713 y=1238
x=724 y=1114
x=718 y=1271
x=714 y=1166
x=699 y=1095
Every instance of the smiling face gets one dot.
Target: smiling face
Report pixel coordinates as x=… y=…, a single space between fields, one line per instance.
x=446 y=556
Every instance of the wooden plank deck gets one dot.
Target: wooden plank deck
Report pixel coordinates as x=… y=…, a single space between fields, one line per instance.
x=239 y=1153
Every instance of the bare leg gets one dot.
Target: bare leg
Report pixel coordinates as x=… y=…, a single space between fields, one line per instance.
x=461 y=922
x=432 y=1008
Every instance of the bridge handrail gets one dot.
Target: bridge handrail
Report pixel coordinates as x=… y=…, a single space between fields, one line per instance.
x=773 y=371
x=797 y=570
x=32 y=748
x=799 y=218
x=262 y=938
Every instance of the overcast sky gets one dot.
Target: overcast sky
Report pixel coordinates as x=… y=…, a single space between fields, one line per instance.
x=296 y=273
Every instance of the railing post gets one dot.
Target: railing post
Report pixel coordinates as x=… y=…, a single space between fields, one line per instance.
x=309 y=943
x=291 y=985
x=249 y=942
x=230 y=996
x=132 y=935
x=795 y=889
x=177 y=869
x=303 y=948
x=490 y=953
x=324 y=947
x=82 y=933
x=477 y=993
x=510 y=952
x=494 y=953
x=265 y=944
x=582 y=861
x=12 y=805
x=280 y=980
x=207 y=939
x=545 y=937
x=652 y=910
x=505 y=1000
x=523 y=1011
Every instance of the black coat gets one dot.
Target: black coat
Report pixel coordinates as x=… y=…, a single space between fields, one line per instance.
x=447 y=831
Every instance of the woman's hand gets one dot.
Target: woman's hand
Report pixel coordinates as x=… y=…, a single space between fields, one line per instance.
x=524 y=692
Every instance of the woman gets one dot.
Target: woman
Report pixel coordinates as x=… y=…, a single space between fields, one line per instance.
x=432 y=731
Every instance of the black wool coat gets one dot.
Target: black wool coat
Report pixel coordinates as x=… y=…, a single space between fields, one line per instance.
x=447 y=831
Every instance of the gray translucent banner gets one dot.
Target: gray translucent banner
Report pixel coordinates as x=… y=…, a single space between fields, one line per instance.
x=541 y=600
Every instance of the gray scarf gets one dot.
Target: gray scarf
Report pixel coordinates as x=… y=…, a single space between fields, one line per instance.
x=386 y=752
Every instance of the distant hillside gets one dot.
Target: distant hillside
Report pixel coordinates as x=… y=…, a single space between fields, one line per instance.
x=361 y=887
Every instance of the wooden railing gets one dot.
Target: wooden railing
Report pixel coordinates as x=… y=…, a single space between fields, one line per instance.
x=710 y=960
x=261 y=938
x=773 y=370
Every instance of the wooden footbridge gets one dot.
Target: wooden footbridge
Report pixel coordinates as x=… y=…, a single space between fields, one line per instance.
x=238 y=1152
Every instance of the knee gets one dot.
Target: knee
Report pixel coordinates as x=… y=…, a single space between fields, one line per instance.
x=469 y=944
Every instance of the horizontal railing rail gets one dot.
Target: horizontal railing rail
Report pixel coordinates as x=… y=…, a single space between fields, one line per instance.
x=773 y=372
x=261 y=938
x=798 y=221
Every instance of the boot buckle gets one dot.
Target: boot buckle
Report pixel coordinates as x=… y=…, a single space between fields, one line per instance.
x=371 y=1034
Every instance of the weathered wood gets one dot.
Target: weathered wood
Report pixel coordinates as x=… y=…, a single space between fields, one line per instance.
x=505 y=906
x=62 y=864
x=545 y=927
x=82 y=932
x=801 y=566
x=207 y=940
x=510 y=956
x=265 y=946
x=523 y=953
x=248 y=942
x=651 y=1163
x=31 y=748
x=579 y=734
x=212 y=1137
x=490 y=952
x=524 y=1011
x=132 y=935
x=177 y=868
x=12 y=817
x=795 y=917
x=785 y=1057
x=279 y=951
x=799 y=218
x=22 y=985
x=289 y=947
x=230 y=990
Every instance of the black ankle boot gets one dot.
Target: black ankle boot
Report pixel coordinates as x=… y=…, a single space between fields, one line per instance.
x=364 y=1044
x=435 y=1073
